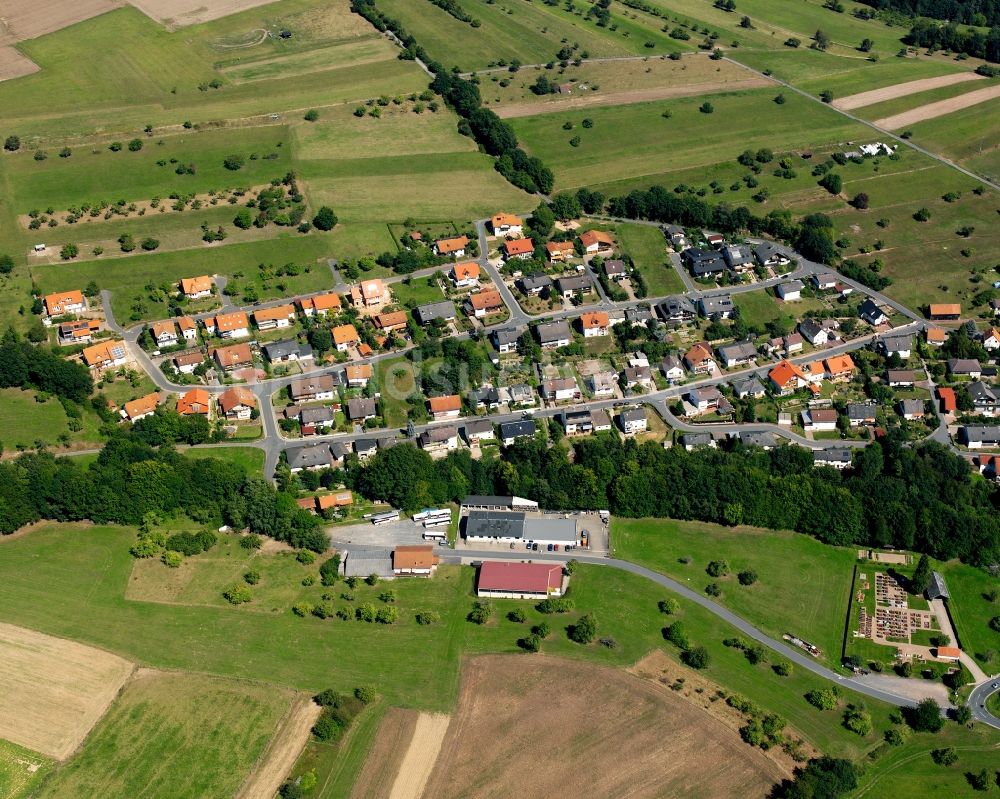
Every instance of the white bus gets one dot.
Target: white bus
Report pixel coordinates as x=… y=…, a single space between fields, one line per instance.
x=384 y=518
x=438 y=519
x=426 y=512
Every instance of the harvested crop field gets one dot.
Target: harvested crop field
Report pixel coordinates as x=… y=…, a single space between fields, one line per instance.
x=540 y=726
x=863 y=99
x=395 y=732
x=628 y=97
x=281 y=755
x=939 y=109
x=20 y=20
x=179 y=13
x=14 y=64
x=53 y=691
x=420 y=757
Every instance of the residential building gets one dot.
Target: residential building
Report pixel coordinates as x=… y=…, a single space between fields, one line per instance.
x=704 y=399
x=633 y=420
x=737 y=353
x=228 y=325
x=358 y=375
x=638 y=315
x=521 y=394
x=286 y=350
x=485 y=397
x=596 y=241
x=105 y=355
x=991 y=339
x=419 y=561
x=818 y=420
x=595 y=323
x=699 y=360
x=762 y=438
x=361 y=409
x=704 y=263
x=510 y=580
x=505 y=340
x=311 y=456
x=237 y=403
x=602 y=384
x=569 y=287
x=615 y=269
x=786 y=377
x=320 y=304
x=814 y=333
x=738 y=258
x=790 y=291
x=839 y=368
x=465 y=274
x=985 y=399
x=64 y=303
x=445 y=407
x=164 y=333
x=439 y=440
x=824 y=281
x=936 y=337
x=560 y=250
x=749 y=387
x=197 y=401
x=945 y=311
x=718 y=306
x=977 y=437
x=912 y=409
x=278 y=317
x=552 y=335
x=483 y=303
x=535 y=284
x=560 y=389
x=312 y=388
x=389 y=322
x=965 y=367
x=512 y=431
x=504 y=224
x=454 y=247
x=672 y=368
x=949 y=402
x=369 y=294
x=235 y=356
x=793 y=342
x=80 y=331
x=187 y=362
x=900 y=378
x=313 y=418
x=675 y=234
x=839 y=458
x=195 y=288
x=676 y=310
x=861 y=413
x=140 y=408
x=768 y=254
x=478 y=430
x=693 y=441
x=365 y=448
x=577 y=422
x=519 y=249
x=872 y=314
x=638 y=377
x=442 y=310
x=188 y=328
x=896 y=345
x=345 y=337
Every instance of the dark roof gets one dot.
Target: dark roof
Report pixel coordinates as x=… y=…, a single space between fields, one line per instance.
x=316 y=415
x=360 y=407
x=443 y=309
x=761 y=438
x=536 y=280
x=861 y=410
x=553 y=331
x=633 y=414
x=896 y=343
x=869 y=309
x=986 y=435
x=278 y=350
x=365 y=445
x=832 y=455
x=936 y=587
x=964 y=366
x=505 y=335
x=477 y=426
x=308 y=456
x=574 y=283
x=696 y=439
x=517 y=429
x=494 y=523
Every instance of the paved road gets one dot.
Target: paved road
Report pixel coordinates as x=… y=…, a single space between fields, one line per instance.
x=977 y=702
x=518 y=318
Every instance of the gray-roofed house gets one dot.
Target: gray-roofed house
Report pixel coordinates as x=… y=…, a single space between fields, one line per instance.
x=638 y=377
x=676 y=310
x=576 y=422
x=477 y=430
x=824 y=281
x=861 y=413
x=978 y=436
x=615 y=269
x=535 y=283
x=316 y=417
x=911 y=409
x=749 y=387
x=287 y=350
x=900 y=378
x=839 y=458
x=569 y=287
x=790 y=291
x=521 y=394
x=365 y=448
x=638 y=315
x=985 y=400
x=813 y=332
x=872 y=314
x=311 y=456
x=675 y=234
x=718 y=306
x=511 y=431
x=602 y=384
x=760 y=438
x=704 y=263
x=738 y=258
x=768 y=254
x=485 y=397
x=552 y=335
x=505 y=340
x=693 y=441
x=363 y=561
x=633 y=420
x=443 y=310
x=896 y=345
x=965 y=367
x=439 y=440
x=737 y=353
x=338 y=451
x=360 y=409
x=600 y=421
x=313 y=387
x=672 y=367
x=705 y=399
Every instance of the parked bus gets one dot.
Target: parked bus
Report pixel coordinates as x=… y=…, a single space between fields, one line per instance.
x=436 y=520
x=384 y=518
x=419 y=517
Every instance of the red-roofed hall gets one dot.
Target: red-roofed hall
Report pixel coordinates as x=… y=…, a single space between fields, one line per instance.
x=505 y=580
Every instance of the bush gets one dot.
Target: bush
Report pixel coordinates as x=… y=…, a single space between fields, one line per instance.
x=251 y=541
x=482 y=611
x=585 y=630
x=252 y=577
x=782 y=668
x=668 y=606
x=365 y=612
x=712 y=589
x=386 y=615
x=922 y=214
x=947 y=756
x=302 y=609
x=366 y=693
x=12 y=144
x=676 y=634
x=192 y=543
x=371 y=579
x=234 y=162
x=555 y=605
x=530 y=643
x=426 y=617
x=135 y=145
x=311 y=115
x=237 y=595
x=696 y=658
x=747 y=577
x=69 y=252
x=823 y=698
x=517 y=616
x=858 y=720
x=305 y=557
x=325 y=219
x=329 y=570
x=172 y=559
x=718 y=568
x=706 y=108
x=149 y=244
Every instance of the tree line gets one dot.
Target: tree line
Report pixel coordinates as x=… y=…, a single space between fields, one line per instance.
x=23 y=365
x=919 y=498
x=494 y=135
x=975 y=43
x=967 y=12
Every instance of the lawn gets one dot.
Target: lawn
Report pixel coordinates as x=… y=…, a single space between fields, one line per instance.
x=20 y=770
x=417 y=291
x=688 y=139
x=784 y=562
x=176 y=735
x=971 y=610
x=648 y=248
x=250 y=458
x=396 y=382
x=964 y=135
x=24 y=420
x=757 y=308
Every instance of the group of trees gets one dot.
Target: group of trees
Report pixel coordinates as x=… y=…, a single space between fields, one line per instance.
x=130 y=479
x=23 y=365
x=926 y=33
x=967 y=12
x=920 y=498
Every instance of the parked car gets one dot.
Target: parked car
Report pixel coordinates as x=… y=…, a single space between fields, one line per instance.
x=550 y=548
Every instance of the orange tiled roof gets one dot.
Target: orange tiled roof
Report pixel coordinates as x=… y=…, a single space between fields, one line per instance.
x=231 y=321
x=196 y=285
x=274 y=314
x=97 y=354
x=505 y=220
x=485 y=299
x=450 y=402
x=945 y=309
x=163 y=328
x=592 y=237
x=235 y=396
x=55 y=303
x=518 y=247
x=446 y=246
x=839 y=364
x=388 y=321
x=595 y=319
x=233 y=355
x=141 y=406
x=194 y=401
x=466 y=270
x=784 y=372
x=345 y=334
x=361 y=371
x=560 y=248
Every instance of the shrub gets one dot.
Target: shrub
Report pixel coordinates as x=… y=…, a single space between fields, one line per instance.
x=366 y=693
x=192 y=543
x=311 y=115
x=305 y=557
x=388 y=596
x=706 y=108
x=782 y=668
x=585 y=630
x=747 y=577
x=426 y=617
x=251 y=541
x=482 y=611
x=234 y=162
x=530 y=643
x=542 y=629
x=365 y=612
x=676 y=634
x=172 y=559
x=69 y=252
x=237 y=595
x=371 y=579
x=946 y=756
x=922 y=214
x=517 y=616
x=712 y=589
x=252 y=577
x=718 y=568
x=669 y=606
x=858 y=720
x=302 y=609
x=386 y=615
x=12 y=144
x=135 y=145
x=696 y=658
x=325 y=219
x=555 y=605
x=329 y=570
x=149 y=244
x=823 y=698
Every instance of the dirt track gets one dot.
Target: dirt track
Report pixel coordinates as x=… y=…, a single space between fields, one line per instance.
x=939 y=109
x=542 y=726
x=626 y=98
x=421 y=754
x=53 y=691
x=395 y=732
x=862 y=99
x=284 y=750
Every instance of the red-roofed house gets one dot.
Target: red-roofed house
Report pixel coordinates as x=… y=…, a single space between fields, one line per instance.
x=509 y=580
x=595 y=323
x=465 y=274
x=446 y=407
x=787 y=377
x=454 y=247
x=949 y=403
x=518 y=248
x=506 y=224
x=560 y=250
x=596 y=241
x=414 y=560
x=483 y=303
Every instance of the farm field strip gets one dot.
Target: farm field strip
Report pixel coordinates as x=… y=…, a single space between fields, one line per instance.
x=421 y=754
x=874 y=96
x=939 y=108
x=285 y=748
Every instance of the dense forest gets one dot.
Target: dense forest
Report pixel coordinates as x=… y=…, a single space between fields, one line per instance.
x=926 y=33
x=968 y=12
x=922 y=498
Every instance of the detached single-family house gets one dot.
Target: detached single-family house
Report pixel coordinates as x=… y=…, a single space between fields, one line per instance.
x=735 y=354
x=389 y=322
x=552 y=335
x=312 y=419
x=196 y=402
x=188 y=327
x=817 y=420
x=485 y=397
x=569 y=287
x=560 y=250
x=714 y=239
x=758 y=438
x=465 y=274
x=439 y=440
x=749 y=387
x=704 y=399
x=948 y=400
x=615 y=269
x=945 y=311
x=633 y=420
x=320 y=304
x=900 y=378
x=638 y=377
x=638 y=315
x=280 y=316
x=140 y=408
x=560 y=389
x=872 y=314
x=896 y=345
x=738 y=258
x=448 y=406
x=965 y=367
x=977 y=437
x=311 y=456
x=105 y=355
x=768 y=254
x=195 y=288
x=512 y=431
x=672 y=368
x=518 y=249
x=824 y=281
x=577 y=423
x=936 y=337
x=786 y=377
x=535 y=284
x=313 y=388
x=358 y=375
x=237 y=403
x=814 y=333
x=187 y=362
x=704 y=263
x=164 y=333
x=693 y=441
x=676 y=310
x=793 y=342
x=675 y=235
x=361 y=409
x=718 y=306
x=839 y=368
x=790 y=291
x=453 y=247
x=504 y=224
x=839 y=458
x=287 y=350
x=991 y=339
x=912 y=409
x=369 y=294
x=595 y=323
x=478 y=430
x=861 y=413
x=505 y=340
x=521 y=395
x=228 y=325
x=483 y=303
x=596 y=241
x=699 y=359
x=602 y=384
x=442 y=310
x=345 y=337
x=985 y=400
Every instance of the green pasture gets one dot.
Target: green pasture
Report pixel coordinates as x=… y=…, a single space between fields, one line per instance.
x=250 y=458
x=647 y=247
x=20 y=770
x=971 y=609
x=180 y=735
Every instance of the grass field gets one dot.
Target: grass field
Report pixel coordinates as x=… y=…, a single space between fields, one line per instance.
x=395 y=377
x=24 y=420
x=647 y=247
x=784 y=562
x=970 y=134
x=20 y=770
x=417 y=291
x=174 y=735
x=971 y=609
x=250 y=458
x=688 y=139
x=898 y=105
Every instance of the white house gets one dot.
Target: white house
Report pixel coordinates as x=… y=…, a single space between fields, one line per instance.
x=790 y=291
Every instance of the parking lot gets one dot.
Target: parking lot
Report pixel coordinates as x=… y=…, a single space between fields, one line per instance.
x=366 y=534
x=597 y=532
